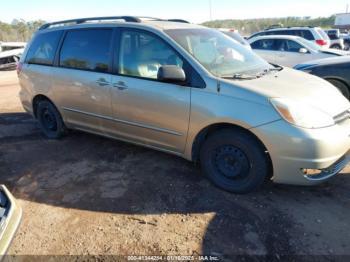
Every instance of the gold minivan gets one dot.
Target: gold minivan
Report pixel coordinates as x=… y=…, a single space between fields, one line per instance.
x=190 y=91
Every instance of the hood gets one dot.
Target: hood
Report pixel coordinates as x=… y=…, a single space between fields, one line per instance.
x=300 y=86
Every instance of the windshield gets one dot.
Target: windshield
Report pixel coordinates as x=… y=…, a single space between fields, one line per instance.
x=218 y=53
x=309 y=44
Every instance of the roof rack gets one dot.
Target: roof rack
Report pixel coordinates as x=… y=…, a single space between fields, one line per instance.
x=178 y=21
x=133 y=19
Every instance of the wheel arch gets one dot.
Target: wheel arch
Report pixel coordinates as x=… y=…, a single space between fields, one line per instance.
x=205 y=132
x=339 y=79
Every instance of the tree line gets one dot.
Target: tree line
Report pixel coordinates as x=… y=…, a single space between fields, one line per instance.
x=18 y=30
x=250 y=26
x=21 y=31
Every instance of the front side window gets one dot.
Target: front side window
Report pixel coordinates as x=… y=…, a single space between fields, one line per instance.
x=142 y=54
x=42 y=50
x=293 y=46
x=87 y=49
x=218 y=53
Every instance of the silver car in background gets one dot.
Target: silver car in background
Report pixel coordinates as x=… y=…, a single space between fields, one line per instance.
x=190 y=91
x=289 y=50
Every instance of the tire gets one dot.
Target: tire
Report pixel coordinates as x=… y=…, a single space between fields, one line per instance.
x=50 y=120
x=234 y=161
x=336 y=46
x=343 y=88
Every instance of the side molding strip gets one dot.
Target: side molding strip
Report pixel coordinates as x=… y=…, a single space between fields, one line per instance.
x=124 y=122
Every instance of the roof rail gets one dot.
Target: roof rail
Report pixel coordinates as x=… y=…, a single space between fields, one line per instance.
x=84 y=20
x=178 y=21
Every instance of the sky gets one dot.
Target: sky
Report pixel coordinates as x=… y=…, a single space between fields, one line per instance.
x=196 y=11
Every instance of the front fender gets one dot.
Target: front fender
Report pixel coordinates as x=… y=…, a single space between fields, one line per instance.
x=209 y=109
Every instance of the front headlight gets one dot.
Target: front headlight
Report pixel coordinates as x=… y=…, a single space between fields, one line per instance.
x=301 y=114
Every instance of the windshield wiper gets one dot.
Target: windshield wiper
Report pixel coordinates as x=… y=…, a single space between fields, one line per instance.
x=241 y=77
x=276 y=67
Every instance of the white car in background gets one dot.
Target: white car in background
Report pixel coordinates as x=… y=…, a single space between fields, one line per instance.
x=289 y=51
x=235 y=35
x=337 y=42
x=10 y=53
x=313 y=34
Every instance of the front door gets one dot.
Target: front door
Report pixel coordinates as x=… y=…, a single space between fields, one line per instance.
x=146 y=110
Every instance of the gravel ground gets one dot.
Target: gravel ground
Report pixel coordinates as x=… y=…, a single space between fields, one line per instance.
x=89 y=195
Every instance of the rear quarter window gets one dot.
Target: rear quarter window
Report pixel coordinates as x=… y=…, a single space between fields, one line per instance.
x=43 y=49
x=307 y=35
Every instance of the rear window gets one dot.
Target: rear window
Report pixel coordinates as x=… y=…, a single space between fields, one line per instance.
x=322 y=33
x=42 y=50
x=87 y=49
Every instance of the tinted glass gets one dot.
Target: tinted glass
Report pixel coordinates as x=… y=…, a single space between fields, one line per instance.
x=333 y=36
x=265 y=44
x=280 y=32
x=142 y=54
x=42 y=50
x=293 y=46
x=307 y=35
x=87 y=50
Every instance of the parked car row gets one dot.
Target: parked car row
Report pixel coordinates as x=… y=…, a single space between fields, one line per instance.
x=290 y=50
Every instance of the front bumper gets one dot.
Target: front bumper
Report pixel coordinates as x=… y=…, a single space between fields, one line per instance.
x=293 y=149
x=10 y=217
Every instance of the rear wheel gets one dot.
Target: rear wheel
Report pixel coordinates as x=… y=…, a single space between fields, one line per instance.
x=343 y=88
x=50 y=120
x=336 y=46
x=234 y=161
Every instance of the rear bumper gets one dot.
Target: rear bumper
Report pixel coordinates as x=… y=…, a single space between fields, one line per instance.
x=10 y=217
x=294 y=150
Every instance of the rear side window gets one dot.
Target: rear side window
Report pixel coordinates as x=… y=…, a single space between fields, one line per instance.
x=307 y=35
x=87 y=49
x=264 y=44
x=42 y=50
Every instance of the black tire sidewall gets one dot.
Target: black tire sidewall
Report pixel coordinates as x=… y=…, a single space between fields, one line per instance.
x=343 y=88
x=60 y=130
x=252 y=149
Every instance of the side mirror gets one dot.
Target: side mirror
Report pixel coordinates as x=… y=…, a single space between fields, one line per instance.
x=303 y=51
x=171 y=74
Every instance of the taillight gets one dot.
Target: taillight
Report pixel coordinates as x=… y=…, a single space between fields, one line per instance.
x=321 y=42
x=19 y=67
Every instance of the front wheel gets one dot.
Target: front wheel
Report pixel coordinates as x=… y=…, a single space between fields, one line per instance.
x=234 y=160
x=50 y=120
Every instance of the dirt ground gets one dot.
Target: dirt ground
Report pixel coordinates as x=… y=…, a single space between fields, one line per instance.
x=89 y=195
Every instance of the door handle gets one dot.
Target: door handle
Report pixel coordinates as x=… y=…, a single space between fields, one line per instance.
x=120 y=85
x=102 y=82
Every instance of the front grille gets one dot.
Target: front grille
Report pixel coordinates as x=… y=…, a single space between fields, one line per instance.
x=338 y=119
